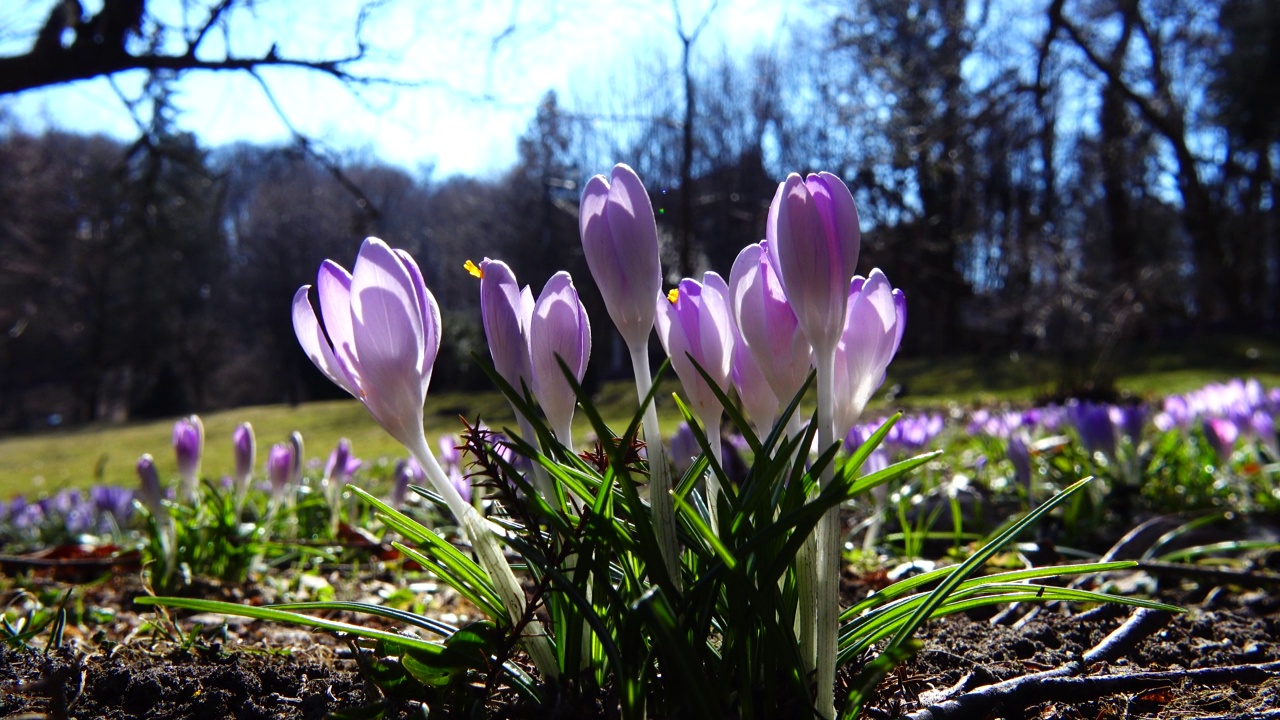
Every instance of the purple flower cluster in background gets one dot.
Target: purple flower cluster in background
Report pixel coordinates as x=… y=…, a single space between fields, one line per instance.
x=1225 y=413
x=99 y=510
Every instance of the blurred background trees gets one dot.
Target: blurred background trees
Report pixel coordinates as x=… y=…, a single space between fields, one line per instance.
x=1072 y=177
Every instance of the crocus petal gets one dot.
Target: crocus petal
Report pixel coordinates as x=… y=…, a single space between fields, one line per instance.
x=558 y=328
x=502 y=313
x=314 y=343
x=430 y=312
x=333 y=288
x=620 y=242
x=389 y=340
x=767 y=323
x=757 y=398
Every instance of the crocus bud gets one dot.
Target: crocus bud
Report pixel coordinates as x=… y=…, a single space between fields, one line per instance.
x=149 y=491
x=694 y=326
x=245 y=450
x=620 y=242
x=873 y=328
x=505 y=309
x=188 y=445
x=814 y=239
x=558 y=328
x=295 y=457
x=380 y=337
x=342 y=464
x=403 y=478
x=280 y=463
x=767 y=323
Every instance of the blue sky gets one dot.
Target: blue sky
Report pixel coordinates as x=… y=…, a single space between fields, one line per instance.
x=477 y=95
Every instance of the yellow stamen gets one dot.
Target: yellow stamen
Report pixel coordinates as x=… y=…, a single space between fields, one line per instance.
x=474 y=269
x=673 y=295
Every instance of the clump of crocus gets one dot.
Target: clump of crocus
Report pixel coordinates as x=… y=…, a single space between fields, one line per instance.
x=620 y=242
x=188 y=446
x=246 y=449
x=379 y=342
x=528 y=339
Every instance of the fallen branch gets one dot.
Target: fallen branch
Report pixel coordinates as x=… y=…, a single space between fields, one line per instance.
x=1016 y=694
x=1019 y=691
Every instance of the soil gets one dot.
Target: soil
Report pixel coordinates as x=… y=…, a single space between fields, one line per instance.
x=1217 y=660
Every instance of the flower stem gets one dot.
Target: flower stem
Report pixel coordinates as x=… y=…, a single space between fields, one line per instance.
x=490 y=555
x=664 y=513
x=828 y=546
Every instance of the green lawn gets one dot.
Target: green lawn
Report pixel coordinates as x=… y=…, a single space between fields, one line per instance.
x=43 y=463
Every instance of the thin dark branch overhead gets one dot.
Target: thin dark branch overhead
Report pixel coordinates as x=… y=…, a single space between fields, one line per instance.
x=72 y=47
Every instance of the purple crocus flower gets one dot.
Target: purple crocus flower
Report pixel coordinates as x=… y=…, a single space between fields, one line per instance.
x=1020 y=456
x=342 y=464
x=1262 y=424
x=1095 y=427
x=1222 y=434
x=280 y=463
x=620 y=242
x=24 y=515
x=450 y=452
x=694 y=326
x=814 y=240
x=245 y=451
x=767 y=323
x=505 y=309
x=296 y=449
x=1176 y=413
x=558 y=328
x=404 y=477
x=113 y=500
x=876 y=316
x=246 y=448
x=149 y=491
x=684 y=448
x=188 y=445
x=380 y=336
x=1129 y=420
